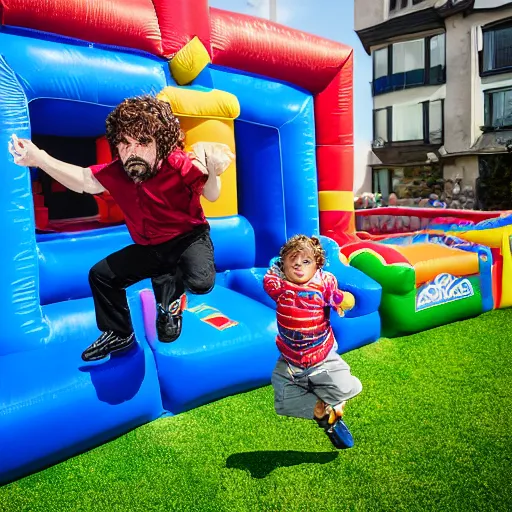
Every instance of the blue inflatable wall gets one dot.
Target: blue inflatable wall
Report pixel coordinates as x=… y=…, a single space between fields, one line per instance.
x=51 y=404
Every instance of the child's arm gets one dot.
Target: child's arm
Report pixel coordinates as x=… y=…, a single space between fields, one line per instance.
x=272 y=282
x=334 y=297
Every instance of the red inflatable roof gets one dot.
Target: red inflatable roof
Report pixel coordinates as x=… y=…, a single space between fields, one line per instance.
x=265 y=48
x=162 y=27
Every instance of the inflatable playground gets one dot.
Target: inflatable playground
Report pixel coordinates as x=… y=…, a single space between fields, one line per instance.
x=282 y=100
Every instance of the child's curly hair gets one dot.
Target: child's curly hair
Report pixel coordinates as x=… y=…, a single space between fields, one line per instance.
x=301 y=242
x=142 y=118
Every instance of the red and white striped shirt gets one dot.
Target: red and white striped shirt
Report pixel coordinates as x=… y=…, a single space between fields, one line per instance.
x=305 y=334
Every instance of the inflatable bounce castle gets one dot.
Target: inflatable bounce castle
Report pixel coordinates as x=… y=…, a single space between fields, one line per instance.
x=457 y=267
x=282 y=101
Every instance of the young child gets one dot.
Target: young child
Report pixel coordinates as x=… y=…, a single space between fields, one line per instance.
x=310 y=379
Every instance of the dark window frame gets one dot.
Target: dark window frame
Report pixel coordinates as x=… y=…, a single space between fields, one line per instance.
x=427 y=77
x=427 y=133
x=389 y=121
x=426 y=127
x=398 y=5
x=390 y=63
x=434 y=169
x=488 y=97
x=501 y=24
x=377 y=171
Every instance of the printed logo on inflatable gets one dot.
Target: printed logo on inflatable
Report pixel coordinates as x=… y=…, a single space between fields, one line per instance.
x=443 y=289
x=213 y=317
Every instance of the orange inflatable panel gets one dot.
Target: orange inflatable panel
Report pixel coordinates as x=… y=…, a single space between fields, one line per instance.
x=430 y=260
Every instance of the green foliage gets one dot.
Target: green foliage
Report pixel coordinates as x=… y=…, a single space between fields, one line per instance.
x=495 y=185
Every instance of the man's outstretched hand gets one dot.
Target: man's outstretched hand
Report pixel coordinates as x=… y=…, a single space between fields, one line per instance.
x=214 y=156
x=24 y=152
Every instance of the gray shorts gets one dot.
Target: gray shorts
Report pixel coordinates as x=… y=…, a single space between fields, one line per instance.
x=296 y=390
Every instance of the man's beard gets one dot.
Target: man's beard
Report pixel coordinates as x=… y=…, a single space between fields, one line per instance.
x=139 y=170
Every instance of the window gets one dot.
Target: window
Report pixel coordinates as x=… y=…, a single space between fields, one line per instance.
x=498 y=108
x=418 y=122
x=380 y=63
x=382 y=183
x=403 y=4
x=437 y=65
x=497 y=51
x=380 y=126
x=408 y=122
x=435 y=122
x=409 y=64
x=381 y=73
x=409 y=184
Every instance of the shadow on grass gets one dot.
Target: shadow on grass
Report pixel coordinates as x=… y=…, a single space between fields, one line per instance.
x=261 y=464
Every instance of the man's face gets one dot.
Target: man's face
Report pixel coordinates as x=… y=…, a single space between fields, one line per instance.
x=138 y=159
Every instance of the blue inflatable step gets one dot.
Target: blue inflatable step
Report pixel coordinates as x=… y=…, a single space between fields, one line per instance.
x=227 y=346
x=53 y=405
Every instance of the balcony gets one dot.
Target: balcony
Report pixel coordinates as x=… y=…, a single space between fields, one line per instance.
x=409 y=64
x=411 y=21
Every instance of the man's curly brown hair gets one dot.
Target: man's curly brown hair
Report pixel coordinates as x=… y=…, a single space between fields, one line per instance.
x=301 y=242
x=142 y=118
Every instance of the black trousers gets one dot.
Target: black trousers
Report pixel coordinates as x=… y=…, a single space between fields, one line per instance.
x=183 y=262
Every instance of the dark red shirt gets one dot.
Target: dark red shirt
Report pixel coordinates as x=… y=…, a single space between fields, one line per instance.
x=161 y=208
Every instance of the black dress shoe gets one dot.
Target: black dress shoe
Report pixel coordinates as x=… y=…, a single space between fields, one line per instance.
x=169 y=322
x=168 y=325
x=108 y=343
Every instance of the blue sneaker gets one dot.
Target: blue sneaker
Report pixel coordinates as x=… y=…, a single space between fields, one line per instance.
x=340 y=435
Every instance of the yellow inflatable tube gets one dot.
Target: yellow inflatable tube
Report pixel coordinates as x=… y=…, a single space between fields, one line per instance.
x=209 y=116
x=495 y=238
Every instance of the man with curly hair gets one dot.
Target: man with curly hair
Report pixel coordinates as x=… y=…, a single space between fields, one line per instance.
x=158 y=186
x=310 y=379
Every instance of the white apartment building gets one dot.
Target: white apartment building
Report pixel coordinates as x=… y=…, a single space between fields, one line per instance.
x=442 y=93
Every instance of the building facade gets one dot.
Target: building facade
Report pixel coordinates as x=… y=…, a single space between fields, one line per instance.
x=442 y=99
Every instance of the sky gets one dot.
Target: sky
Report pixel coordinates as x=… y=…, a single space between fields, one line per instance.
x=332 y=19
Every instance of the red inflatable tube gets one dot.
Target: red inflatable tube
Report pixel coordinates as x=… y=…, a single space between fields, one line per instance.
x=180 y=21
x=131 y=24
x=334 y=106
x=430 y=213
x=336 y=164
x=325 y=68
x=338 y=225
x=265 y=48
x=389 y=254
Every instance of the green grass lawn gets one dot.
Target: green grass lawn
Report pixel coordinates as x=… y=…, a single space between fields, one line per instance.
x=432 y=430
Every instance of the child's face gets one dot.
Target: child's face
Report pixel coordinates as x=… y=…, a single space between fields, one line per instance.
x=299 y=267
